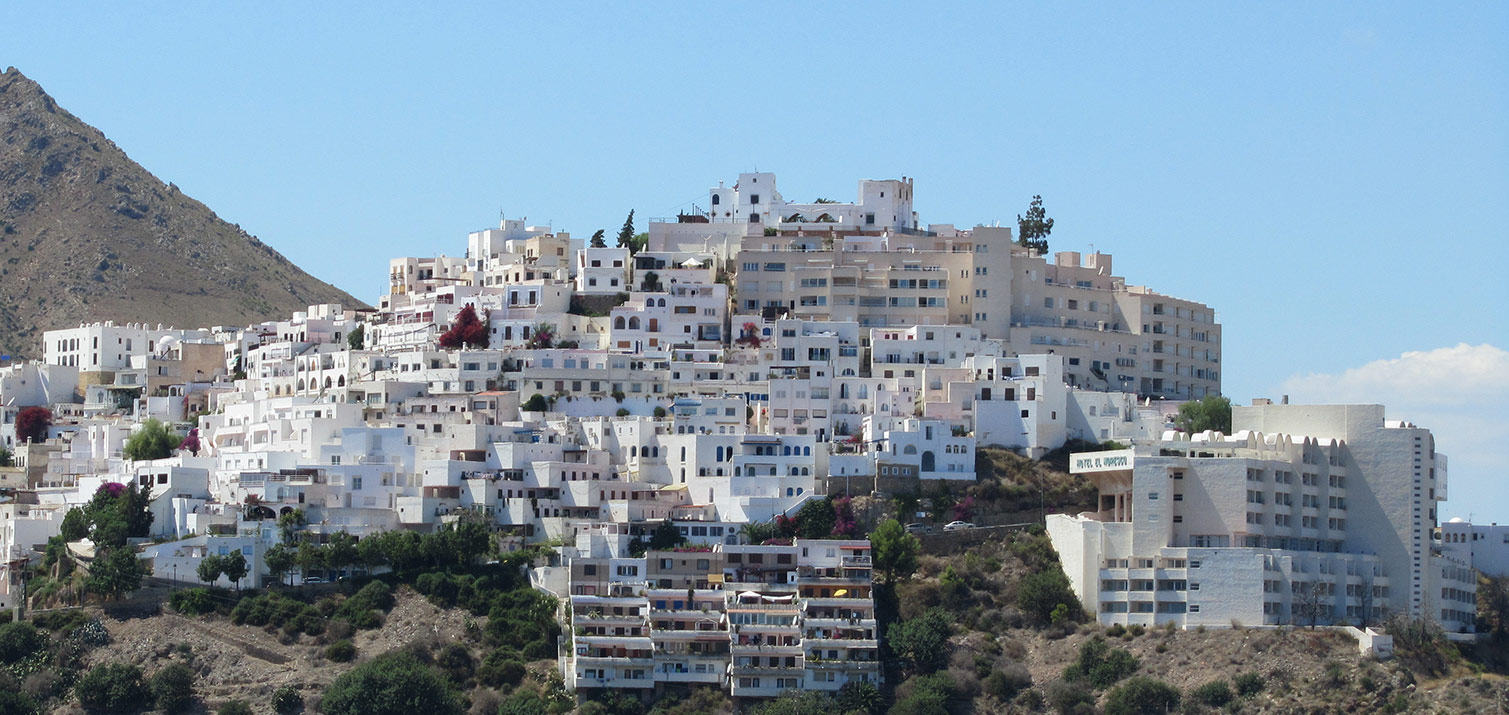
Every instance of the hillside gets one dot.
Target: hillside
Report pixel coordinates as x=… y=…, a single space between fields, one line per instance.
x=980 y=623
x=87 y=234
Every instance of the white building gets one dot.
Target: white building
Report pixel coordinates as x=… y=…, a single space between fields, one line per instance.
x=1485 y=546
x=1307 y=513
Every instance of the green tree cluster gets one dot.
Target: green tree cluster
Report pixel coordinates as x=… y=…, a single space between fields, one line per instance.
x=113 y=687
x=232 y=565
x=1211 y=412
x=925 y=695
x=391 y=684
x=894 y=551
x=153 y=440
x=172 y=687
x=1099 y=665
x=922 y=642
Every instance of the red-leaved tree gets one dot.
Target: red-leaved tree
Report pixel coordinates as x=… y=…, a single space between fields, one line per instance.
x=32 y=423
x=466 y=331
x=964 y=509
x=844 y=523
x=190 y=442
x=749 y=334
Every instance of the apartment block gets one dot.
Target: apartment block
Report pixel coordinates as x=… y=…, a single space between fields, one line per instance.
x=754 y=620
x=1308 y=513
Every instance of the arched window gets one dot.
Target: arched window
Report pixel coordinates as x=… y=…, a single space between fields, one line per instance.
x=327 y=382
x=799 y=491
x=786 y=451
x=633 y=452
x=806 y=472
x=928 y=462
x=340 y=381
x=683 y=454
x=301 y=385
x=634 y=323
x=717 y=199
x=790 y=492
x=909 y=449
x=806 y=451
x=618 y=323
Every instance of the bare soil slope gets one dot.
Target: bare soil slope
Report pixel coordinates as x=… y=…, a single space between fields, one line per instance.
x=88 y=234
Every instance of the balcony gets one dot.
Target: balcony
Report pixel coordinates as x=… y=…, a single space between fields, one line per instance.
x=603 y=661
x=794 y=671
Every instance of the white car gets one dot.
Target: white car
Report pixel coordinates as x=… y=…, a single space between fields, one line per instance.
x=957 y=526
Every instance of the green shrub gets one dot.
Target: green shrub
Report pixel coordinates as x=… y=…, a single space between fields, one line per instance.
x=524 y=702
x=1336 y=674
x=1100 y=665
x=19 y=640
x=456 y=662
x=113 y=687
x=1116 y=631
x=286 y=700
x=234 y=707
x=13 y=703
x=1041 y=593
x=193 y=601
x=924 y=695
x=1070 y=697
x=1142 y=696
x=172 y=687
x=501 y=668
x=1249 y=684
x=391 y=684
x=1216 y=693
x=340 y=651
x=1004 y=684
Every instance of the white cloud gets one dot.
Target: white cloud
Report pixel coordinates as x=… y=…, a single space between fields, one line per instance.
x=1461 y=394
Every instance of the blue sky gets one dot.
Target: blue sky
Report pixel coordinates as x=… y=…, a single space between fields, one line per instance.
x=1333 y=178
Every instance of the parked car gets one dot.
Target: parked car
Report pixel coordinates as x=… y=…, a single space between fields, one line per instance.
x=314 y=579
x=957 y=526
x=918 y=529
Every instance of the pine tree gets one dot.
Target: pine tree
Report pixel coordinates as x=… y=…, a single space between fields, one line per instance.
x=1033 y=229
x=626 y=234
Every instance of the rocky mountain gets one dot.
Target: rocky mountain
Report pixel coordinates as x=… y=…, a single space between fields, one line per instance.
x=87 y=234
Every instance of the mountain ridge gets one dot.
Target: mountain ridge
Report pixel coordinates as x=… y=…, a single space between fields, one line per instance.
x=87 y=234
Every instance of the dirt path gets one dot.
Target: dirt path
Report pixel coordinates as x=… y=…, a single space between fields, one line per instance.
x=226 y=636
